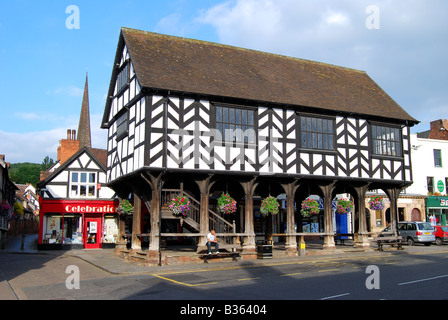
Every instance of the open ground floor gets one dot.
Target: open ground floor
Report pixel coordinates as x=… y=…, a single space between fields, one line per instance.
x=244 y=223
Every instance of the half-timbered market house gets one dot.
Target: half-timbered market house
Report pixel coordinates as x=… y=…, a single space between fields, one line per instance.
x=197 y=120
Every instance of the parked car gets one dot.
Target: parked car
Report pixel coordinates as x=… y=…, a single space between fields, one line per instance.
x=415 y=231
x=441 y=234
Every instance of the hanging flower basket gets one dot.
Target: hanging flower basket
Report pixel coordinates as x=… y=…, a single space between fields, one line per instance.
x=376 y=203
x=343 y=206
x=125 y=208
x=269 y=205
x=4 y=207
x=226 y=204
x=309 y=207
x=180 y=206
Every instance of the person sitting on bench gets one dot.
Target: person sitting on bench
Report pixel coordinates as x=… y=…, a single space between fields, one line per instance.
x=212 y=240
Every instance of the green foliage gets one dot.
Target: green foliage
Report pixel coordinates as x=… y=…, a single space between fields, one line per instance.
x=26 y=172
x=18 y=208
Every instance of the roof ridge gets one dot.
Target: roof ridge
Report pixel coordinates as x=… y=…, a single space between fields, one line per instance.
x=242 y=49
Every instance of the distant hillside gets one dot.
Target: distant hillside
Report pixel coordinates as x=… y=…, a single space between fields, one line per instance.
x=22 y=173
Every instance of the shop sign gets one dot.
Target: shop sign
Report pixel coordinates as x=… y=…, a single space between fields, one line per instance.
x=65 y=206
x=90 y=209
x=436 y=202
x=440 y=186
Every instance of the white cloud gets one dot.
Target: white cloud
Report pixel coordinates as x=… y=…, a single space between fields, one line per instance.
x=35 y=146
x=406 y=56
x=71 y=91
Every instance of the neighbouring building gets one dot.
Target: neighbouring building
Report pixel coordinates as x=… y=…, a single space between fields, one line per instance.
x=199 y=119
x=429 y=154
x=77 y=209
x=427 y=198
x=7 y=199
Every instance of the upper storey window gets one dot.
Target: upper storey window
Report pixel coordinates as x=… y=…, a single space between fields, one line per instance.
x=235 y=124
x=83 y=184
x=317 y=133
x=386 y=141
x=122 y=126
x=123 y=77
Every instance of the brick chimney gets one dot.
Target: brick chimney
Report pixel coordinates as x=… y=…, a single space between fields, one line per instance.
x=68 y=147
x=439 y=129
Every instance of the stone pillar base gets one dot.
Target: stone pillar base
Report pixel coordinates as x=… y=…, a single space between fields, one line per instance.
x=152 y=257
x=329 y=243
x=361 y=241
x=291 y=251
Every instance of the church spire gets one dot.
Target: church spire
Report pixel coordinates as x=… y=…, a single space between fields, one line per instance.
x=84 y=135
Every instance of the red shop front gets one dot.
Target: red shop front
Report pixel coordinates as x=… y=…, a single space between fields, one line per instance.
x=77 y=224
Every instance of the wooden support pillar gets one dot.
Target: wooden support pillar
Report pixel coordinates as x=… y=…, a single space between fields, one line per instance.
x=249 y=239
x=204 y=188
x=155 y=182
x=327 y=191
x=362 y=238
x=393 y=194
x=136 y=243
x=291 y=241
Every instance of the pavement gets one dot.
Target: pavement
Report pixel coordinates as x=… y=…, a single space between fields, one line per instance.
x=108 y=260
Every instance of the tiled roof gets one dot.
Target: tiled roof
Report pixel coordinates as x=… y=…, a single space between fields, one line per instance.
x=198 y=67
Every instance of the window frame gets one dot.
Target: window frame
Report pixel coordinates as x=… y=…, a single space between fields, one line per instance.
x=123 y=77
x=122 y=119
x=386 y=143
x=79 y=184
x=430 y=184
x=245 y=137
x=438 y=160
x=311 y=134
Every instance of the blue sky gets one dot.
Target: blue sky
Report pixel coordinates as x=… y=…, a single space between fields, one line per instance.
x=45 y=63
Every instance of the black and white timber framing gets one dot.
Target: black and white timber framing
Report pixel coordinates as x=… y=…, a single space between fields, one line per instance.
x=160 y=136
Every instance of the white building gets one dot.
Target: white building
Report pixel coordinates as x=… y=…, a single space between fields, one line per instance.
x=429 y=152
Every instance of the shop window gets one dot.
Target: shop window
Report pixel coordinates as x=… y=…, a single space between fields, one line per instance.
x=52 y=228
x=72 y=229
x=110 y=229
x=83 y=185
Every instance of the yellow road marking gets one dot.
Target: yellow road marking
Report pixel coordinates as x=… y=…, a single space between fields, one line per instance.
x=290 y=274
x=246 y=279
x=328 y=270
x=184 y=283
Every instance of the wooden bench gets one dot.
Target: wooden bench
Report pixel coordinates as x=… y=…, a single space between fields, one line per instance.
x=391 y=240
x=206 y=256
x=338 y=237
x=228 y=247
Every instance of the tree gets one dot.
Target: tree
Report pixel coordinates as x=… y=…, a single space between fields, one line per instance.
x=47 y=163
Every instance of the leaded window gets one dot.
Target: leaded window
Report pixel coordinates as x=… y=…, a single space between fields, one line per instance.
x=317 y=133
x=386 y=141
x=235 y=124
x=123 y=77
x=122 y=126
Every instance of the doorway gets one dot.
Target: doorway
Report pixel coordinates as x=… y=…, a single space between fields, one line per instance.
x=92 y=239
